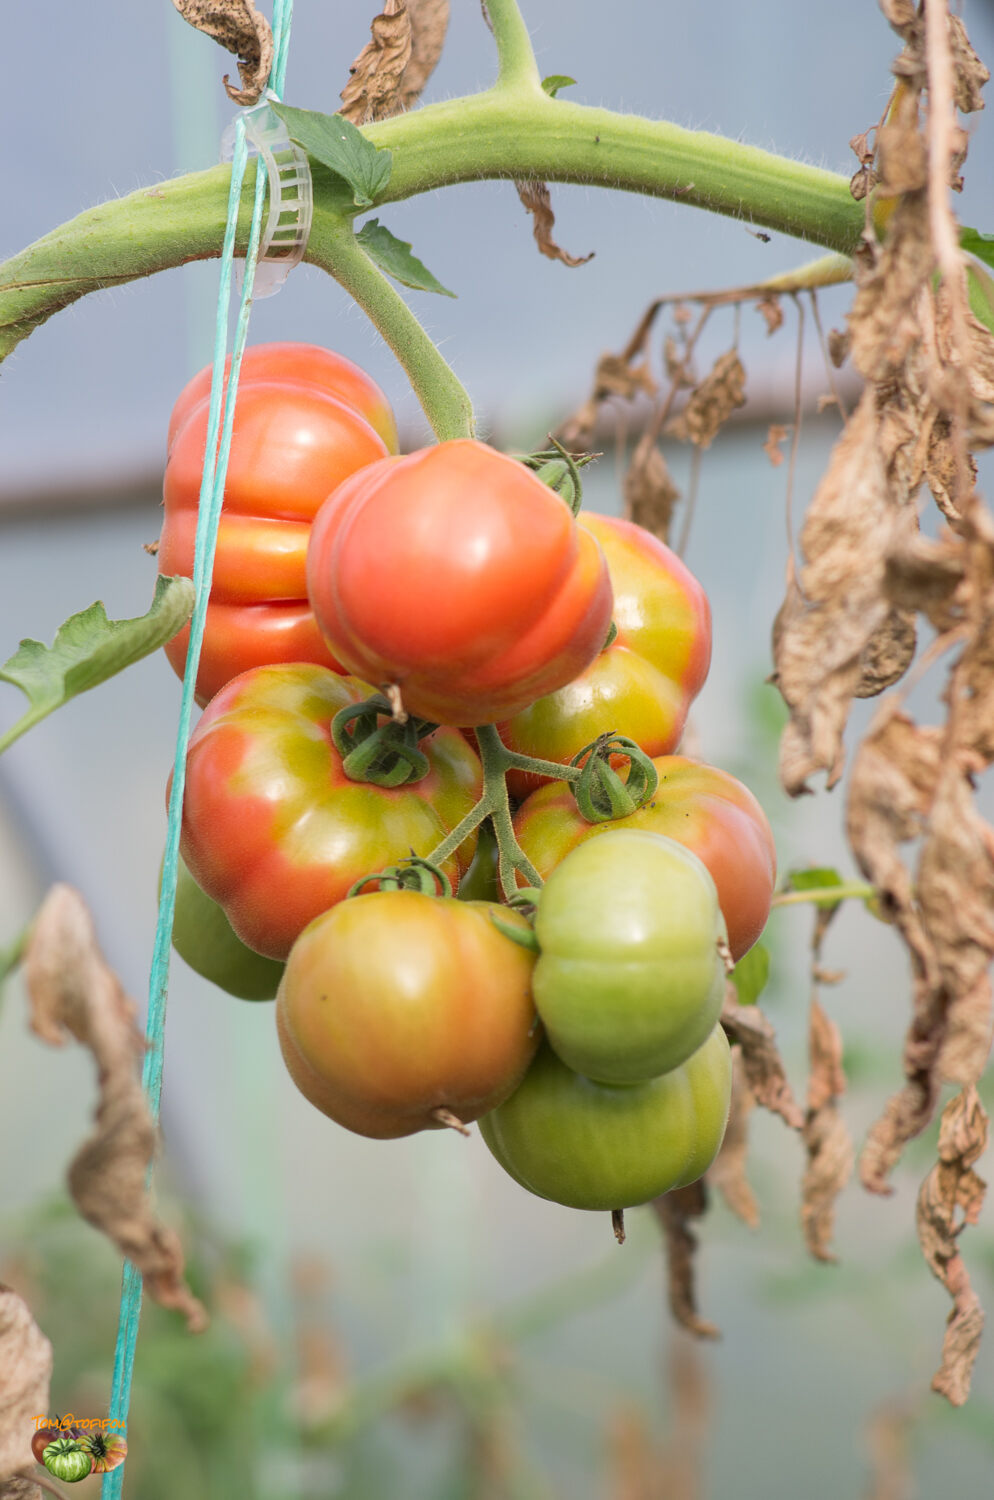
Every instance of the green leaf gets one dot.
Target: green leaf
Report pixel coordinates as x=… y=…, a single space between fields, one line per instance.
x=979 y=244
x=89 y=648
x=815 y=880
x=338 y=145
x=394 y=256
x=980 y=288
x=751 y=974
x=555 y=82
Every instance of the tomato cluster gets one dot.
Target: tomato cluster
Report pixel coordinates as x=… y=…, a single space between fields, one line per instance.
x=423 y=673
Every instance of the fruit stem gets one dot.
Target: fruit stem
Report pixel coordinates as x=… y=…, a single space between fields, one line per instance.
x=618 y=1224
x=446 y=1117
x=828 y=895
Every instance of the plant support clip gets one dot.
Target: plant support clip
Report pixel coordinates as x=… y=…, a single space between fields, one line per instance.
x=291 y=194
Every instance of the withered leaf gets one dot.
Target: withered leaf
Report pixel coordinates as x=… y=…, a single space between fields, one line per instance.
x=761 y=1060
x=888 y=654
x=952 y=1187
x=676 y=1211
x=615 y=375
x=429 y=23
x=772 y=312
x=712 y=401
x=71 y=989
x=855 y=519
x=242 y=30
x=776 y=435
x=969 y=72
x=536 y=199
x=728 y=1171
x=839 y=341
x=956 y=901
x=373 y=89
x=827 y=1142
x=649 y=491
x=25 y=1372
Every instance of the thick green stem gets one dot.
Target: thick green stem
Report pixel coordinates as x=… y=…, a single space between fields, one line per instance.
x=514 y=48
x=443 y=399
x=513 y=131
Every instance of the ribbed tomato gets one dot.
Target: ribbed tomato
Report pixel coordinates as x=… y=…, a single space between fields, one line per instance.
x=299 y=364
x=273 y=829
x=643 y=684
x=293 y=442
x=398 y=1008
x=458 y=575
x=706 y=810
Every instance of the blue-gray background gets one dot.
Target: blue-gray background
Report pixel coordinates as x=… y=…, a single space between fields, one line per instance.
x=104 y=100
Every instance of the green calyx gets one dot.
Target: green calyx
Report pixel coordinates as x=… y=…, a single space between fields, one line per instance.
x=600 y=793
x=384 y=753
x=560 y=471
x=414 y=874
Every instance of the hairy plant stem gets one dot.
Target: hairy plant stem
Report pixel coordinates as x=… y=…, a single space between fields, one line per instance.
x=443 y=399
x=515 y=57
x=512 y=130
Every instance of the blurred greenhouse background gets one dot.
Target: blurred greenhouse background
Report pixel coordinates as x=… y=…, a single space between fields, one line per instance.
x=399 y=1318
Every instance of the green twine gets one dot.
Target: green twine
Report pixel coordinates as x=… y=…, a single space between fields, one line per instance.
x=209 y=512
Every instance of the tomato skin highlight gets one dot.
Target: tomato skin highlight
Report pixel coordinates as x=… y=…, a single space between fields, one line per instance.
x=630 y=980
x=301 y=364
x=273 y=829
x=292 y=443
x=601 y=1146
x=458 y=575
x=395 y=1004
x=643 y=684
x=707 y=810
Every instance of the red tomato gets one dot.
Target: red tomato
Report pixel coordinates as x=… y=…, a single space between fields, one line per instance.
x=292 y=444
x=303 y=364
x=275 y=832
x=706 y=810
x=457 y=574
x=396 y=1005
x=643 y=684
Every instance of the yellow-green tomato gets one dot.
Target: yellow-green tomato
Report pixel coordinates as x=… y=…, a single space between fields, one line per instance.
x=205 y=939
x=606 y=1146
x=630 y=979
x=396 y=1006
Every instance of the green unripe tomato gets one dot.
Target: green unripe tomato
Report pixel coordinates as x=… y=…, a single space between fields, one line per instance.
x=630 y=980
x=204 y=938
x=602 y=1146
x=67 y=1459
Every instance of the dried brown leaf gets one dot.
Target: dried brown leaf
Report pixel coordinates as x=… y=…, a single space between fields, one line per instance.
x=761 y=1060
x=885 y=319
x=25 y=1371
x=834 y=610
x=373 y=89
x=956 y=901
x=772 y=312
x=888 y=1438
x=676 y=1211
x=970 y=75
x=649 y=491
x=771 y=447
x=429 y=24
x=952 y=1188
x=888 y=653
x=676 y=363
x=928 y=576
x=238 y=27
x=839 y=343
x=728 y=1171
x=712 y=402
x=71 y=989
x=827 y=1142
x=615 y=375
x=535 y=197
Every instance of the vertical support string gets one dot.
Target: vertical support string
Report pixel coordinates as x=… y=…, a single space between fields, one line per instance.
x=222 y=400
